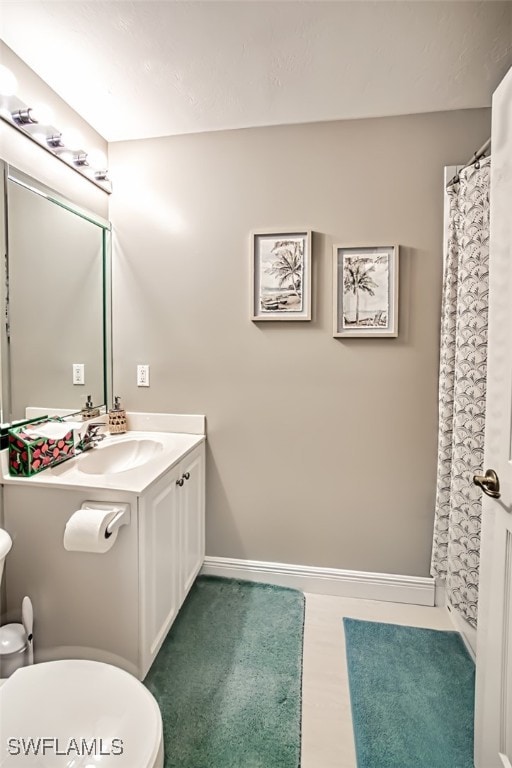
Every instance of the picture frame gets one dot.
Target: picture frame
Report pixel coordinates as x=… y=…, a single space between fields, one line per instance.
x=281 y=275
x=365 y=291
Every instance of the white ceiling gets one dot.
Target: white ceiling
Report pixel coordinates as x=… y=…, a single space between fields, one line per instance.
x=143 y=69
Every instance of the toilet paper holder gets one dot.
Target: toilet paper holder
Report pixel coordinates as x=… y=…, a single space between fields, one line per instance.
x=122 y=516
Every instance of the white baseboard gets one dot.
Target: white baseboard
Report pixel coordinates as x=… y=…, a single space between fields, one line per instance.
x=440 y=593
x=467 y=632
x=327 y=581
x=462 y=626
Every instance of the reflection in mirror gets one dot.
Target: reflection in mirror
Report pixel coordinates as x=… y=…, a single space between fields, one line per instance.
x=57 y=302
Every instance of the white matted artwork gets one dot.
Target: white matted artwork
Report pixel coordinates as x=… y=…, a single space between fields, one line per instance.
x=365 y=282
x=281 y=275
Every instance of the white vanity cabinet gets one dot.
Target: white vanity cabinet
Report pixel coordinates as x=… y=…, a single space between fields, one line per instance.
x=171 y=548
x=116 y=606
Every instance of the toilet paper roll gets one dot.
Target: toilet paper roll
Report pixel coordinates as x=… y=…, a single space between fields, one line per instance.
x=85 y=530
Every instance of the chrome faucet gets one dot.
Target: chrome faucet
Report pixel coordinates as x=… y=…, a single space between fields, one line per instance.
x=91 y=438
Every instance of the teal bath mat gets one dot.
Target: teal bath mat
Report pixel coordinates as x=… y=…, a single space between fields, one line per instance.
x=412 y=696
x=228 y=677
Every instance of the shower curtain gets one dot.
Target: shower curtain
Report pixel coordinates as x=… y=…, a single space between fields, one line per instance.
x=462 y=387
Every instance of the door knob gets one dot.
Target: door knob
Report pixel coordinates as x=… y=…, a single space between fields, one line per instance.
x=489 y=483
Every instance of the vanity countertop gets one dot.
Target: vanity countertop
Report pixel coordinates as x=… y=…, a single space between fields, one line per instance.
x=128 y=462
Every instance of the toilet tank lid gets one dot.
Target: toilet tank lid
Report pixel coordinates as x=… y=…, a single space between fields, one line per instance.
x=13 y=639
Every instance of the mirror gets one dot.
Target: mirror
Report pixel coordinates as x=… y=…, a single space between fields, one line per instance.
x=56 y=302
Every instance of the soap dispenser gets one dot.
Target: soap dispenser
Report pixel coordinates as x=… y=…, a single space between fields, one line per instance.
x=89 y=411
x=117 y=418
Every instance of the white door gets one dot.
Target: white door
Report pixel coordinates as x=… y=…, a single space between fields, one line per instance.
x=493 y=721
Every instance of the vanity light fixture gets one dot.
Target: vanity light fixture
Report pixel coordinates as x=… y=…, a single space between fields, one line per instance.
x=80 y=158
x=54 y=141
x=24 y=116
x=36 y=124
x=76 y=159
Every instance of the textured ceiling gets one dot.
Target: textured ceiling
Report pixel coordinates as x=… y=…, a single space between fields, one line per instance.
x=143 y=69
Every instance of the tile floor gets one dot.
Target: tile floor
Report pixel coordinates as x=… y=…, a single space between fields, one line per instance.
x=327 y=739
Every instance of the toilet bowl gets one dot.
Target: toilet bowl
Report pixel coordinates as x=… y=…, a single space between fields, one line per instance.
x=77 y=714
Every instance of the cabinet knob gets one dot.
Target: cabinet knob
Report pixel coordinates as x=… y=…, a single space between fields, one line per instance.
x=186 y=475
x=180 y=481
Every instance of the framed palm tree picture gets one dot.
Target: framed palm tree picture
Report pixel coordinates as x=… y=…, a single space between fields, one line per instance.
x=365 y=282
x=281 y=275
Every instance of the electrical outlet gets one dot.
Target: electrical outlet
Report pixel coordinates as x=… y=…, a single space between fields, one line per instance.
x=78 y=373
x=143 y=375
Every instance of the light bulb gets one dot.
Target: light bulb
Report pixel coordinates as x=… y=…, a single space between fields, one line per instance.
x=39 y=136
x=8 y=82
x=67 y=155
x=97 y=159
x=72 y=139
x=42 y=114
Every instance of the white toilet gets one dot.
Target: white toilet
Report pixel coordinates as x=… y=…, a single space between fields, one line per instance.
x=77 y=714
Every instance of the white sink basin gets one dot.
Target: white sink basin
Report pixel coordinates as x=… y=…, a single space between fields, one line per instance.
x=120 y=456
x=128 y=462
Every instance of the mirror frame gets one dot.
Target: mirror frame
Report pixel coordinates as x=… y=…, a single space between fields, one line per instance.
x=10 y=173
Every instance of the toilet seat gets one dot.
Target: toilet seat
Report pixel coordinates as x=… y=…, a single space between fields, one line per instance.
x=90 y=713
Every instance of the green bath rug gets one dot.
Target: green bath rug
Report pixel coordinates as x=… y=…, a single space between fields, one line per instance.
x=228 y=677
x=412 y=696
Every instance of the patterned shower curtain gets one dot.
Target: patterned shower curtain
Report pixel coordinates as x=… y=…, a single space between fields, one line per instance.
x=462 y=386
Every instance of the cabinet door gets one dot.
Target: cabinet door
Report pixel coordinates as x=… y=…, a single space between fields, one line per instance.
x=160 y=563
x=192 y=518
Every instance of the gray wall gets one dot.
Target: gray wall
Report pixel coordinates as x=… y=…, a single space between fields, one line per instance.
x=320 y=451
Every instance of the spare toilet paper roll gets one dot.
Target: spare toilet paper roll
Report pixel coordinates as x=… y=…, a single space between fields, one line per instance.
x=85 y=530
